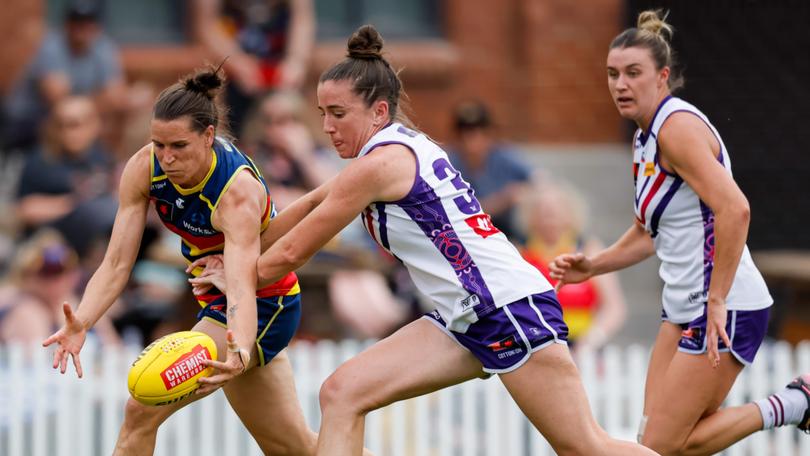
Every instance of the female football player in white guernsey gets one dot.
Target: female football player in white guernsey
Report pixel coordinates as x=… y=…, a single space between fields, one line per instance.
x=690 y=212
x=496 y=314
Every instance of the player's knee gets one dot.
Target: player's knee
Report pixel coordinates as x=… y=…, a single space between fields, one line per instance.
x=141 y=417
x=339 y=393
x=333 y=392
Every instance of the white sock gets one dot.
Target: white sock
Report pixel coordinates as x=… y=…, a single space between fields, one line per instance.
x=785 y=407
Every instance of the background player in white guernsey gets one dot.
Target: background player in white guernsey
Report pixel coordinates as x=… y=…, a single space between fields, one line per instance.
x=690 y=212
x=495 y=312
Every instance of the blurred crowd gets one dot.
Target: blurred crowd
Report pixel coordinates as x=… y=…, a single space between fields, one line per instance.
x=71 y=119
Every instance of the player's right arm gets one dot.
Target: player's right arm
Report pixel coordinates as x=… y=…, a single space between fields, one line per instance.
x=634 y=246
x=110 y=278
x=294 y=213
x=279 y=225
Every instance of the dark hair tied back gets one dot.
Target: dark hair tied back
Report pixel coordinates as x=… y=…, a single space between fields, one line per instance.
x=194 y=96
x=204 y=82
x=365 y=43
x=370 y=75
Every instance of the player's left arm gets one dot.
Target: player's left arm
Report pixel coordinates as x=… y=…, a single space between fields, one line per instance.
x=690 y=148
x=238 y=216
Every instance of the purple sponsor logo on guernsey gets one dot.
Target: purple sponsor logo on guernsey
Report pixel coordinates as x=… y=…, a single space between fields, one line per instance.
x=425 y=208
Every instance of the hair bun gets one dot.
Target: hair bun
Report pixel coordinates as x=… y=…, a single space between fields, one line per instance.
x=655 y=22
x=365 y=43
x=206 y=82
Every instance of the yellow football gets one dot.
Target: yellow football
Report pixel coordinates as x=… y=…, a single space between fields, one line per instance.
x=168 y=369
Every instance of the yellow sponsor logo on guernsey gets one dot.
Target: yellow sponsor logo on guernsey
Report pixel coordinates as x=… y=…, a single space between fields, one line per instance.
x=649 y=169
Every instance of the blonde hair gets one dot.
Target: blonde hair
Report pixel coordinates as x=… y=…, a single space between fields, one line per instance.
x=31 y=255
x=654 y=33
x=545 y=186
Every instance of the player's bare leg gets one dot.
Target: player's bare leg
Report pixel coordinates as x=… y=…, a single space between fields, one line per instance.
x=677 y=427
x=549 y=391
x=266 y=402
x=665 y=347
x=415 y=360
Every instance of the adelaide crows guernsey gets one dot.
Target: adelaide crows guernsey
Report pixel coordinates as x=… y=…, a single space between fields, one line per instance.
x=682 y=228
x=453 y=252
x=188 y=211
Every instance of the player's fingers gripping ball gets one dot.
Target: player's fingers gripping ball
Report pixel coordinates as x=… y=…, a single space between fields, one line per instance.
x=168 y=369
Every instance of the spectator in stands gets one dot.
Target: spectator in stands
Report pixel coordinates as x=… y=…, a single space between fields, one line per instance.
x=78 y=60
x=493 y=169
x=65 y=181
x=267 y=44
x=284 y=146
x=553 y=216
x=44 y=273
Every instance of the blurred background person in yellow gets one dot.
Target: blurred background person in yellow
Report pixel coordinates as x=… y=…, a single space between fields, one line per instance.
x=554 y=216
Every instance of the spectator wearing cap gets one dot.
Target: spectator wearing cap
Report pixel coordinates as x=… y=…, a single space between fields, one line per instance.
x=492 y=168
x=79 y=59
x=44 y=274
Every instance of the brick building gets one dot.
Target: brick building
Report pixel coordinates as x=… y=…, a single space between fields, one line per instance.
x=538 y=63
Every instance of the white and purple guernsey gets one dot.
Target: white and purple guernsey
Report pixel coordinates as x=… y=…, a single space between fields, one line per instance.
x=453 y=253
x=682 y=228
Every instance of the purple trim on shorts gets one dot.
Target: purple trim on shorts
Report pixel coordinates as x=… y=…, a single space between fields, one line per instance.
x=708 y=244
x=746 y=330
x=659 y=210
x=503 y=340
x=382 y=219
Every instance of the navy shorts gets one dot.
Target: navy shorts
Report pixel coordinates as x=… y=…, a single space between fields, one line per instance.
x=505 y=338
x=278 y=320
x=745 y=329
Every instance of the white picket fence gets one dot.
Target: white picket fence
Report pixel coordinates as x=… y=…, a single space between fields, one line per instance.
x=44 y=413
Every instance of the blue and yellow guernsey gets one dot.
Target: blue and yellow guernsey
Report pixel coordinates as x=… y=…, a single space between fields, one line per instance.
x=188 y=211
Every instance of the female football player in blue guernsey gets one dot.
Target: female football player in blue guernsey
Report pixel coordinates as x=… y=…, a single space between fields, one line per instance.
x=690 y=212
x=208 y=192
x=496 y=314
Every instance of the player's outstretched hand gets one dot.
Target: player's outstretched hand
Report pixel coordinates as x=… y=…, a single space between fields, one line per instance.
x=213 y=274
x=70 y=338
x=236 y=363
x=716 y=328
x=570 y=268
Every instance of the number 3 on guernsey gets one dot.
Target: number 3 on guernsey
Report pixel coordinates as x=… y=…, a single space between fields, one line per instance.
x=466 y=204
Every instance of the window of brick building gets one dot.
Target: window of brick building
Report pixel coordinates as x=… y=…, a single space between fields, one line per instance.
x=161 y=21
x=395 y=19
x=135 y=22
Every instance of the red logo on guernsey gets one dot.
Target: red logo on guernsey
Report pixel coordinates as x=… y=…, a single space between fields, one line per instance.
x=165 y=210
x=503 y=344
x=482 y=225
x=186 y=367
